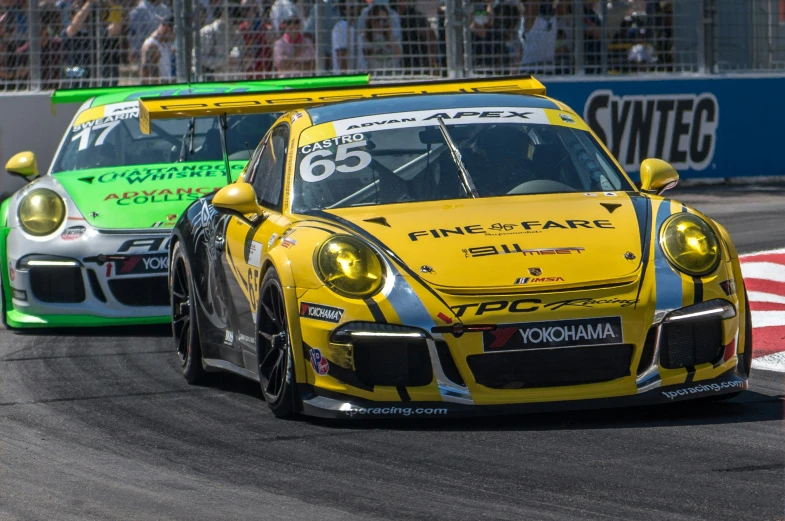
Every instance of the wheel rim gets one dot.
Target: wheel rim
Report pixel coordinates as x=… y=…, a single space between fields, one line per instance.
x=273 y=339
x=181 y=310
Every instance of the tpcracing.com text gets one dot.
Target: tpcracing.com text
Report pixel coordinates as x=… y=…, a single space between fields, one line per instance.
x=716 y=387
x=394 y=411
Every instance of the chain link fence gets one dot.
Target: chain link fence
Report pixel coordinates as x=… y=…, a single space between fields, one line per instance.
x=49 y=44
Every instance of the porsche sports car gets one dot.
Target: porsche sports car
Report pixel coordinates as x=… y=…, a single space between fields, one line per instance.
x=85 y=245
x=449 y=248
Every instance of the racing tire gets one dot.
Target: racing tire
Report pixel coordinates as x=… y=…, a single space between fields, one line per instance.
x=274 y=349
x=185 y=329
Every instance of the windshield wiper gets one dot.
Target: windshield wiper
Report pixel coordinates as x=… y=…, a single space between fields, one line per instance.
x=188 y=137
x=466 y=179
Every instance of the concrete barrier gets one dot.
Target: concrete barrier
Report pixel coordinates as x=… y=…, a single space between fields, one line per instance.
x=27 y=123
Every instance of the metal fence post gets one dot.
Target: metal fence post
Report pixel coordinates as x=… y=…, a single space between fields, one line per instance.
x=197 y=43
x=180 y=31
x=702 y=48
x=577 y=9
x=604 y=39
x=34 y=32
x=318 y=8
x=454 y=37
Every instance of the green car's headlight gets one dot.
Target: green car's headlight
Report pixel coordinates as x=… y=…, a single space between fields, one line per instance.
x=690 y=244
x=349 y=267
x=41 y=212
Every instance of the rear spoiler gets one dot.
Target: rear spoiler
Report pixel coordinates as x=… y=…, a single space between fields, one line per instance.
x=61 y=96
x=253 y=103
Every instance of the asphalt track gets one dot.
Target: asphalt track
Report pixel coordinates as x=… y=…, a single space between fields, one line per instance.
x=99 y=425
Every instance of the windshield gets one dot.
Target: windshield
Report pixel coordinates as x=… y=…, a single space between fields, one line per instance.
x=405 y=158
x=109 y=136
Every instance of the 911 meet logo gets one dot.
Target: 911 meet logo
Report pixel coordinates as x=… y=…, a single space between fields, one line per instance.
x=678 y=128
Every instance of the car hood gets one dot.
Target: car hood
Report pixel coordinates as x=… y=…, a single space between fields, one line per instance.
x=514 y=243
x=142 y=196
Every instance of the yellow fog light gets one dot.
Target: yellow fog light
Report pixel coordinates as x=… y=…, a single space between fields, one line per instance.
x=349 y=267
x=41 y=212
x=690 y=244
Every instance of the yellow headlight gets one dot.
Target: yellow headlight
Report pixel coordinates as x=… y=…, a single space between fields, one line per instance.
x=690 y=244
x=41 y=212
x=349 y=267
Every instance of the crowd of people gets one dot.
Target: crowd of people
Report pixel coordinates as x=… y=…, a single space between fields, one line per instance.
x=101 y=42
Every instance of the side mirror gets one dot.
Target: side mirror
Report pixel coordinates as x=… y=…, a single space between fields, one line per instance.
x=658 y=176
x=23 y=164
x=238 y=200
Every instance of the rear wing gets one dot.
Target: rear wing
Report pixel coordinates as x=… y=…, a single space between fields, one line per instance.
x=252 y=103
x=131 y=93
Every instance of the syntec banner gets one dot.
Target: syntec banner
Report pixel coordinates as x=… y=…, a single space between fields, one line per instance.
x=709 y=127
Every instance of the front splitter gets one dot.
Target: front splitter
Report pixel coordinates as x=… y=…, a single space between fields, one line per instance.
x=325 y=404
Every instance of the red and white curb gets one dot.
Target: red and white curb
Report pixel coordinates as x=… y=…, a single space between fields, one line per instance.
x=764 y=277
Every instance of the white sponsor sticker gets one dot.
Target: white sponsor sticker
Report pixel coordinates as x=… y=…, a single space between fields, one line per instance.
x=255 y=254
x=490 y=115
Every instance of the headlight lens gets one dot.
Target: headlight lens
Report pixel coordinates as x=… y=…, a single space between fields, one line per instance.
x=690 y=244
x=41 y=212
x=349 y=267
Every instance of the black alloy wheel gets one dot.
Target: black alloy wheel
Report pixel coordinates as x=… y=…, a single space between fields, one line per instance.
x=274 y=348
x=184 y=327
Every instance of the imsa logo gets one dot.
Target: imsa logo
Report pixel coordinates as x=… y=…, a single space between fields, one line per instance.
x=678 y=128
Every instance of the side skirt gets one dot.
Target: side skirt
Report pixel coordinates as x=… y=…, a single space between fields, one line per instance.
x=215 y=364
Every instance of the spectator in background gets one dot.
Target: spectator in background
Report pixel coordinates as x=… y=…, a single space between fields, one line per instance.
x=506 y=27
x=294 y=53
x=92 y=23
x=395 y=19
x=221 y=44
x=282 y=10
x=344 y=38
x=485 y=51
x=157 y=54
x=143 y=20
x=259 y=36
x=565 y=36
x=331 y=16
x=380 y=50
x=7 y=51
x=51 y=51
x=418 y=42
x=539 y=45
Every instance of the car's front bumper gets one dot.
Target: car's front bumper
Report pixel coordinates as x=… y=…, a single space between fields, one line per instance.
x=101 y=278
x=325 y=404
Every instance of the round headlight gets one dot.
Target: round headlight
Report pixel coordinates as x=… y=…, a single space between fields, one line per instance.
x=690 y=244
x=41 y=212
x=349 y=267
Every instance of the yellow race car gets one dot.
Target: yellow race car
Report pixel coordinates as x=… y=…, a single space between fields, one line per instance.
x=449 y=248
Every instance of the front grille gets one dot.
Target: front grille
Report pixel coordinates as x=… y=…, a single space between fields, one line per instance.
x=551 y=368
x=57 y=285
x=691 y=342
x=398 y=362
x=145 y=291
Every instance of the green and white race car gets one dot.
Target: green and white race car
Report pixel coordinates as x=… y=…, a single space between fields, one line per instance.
x=86 y=244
